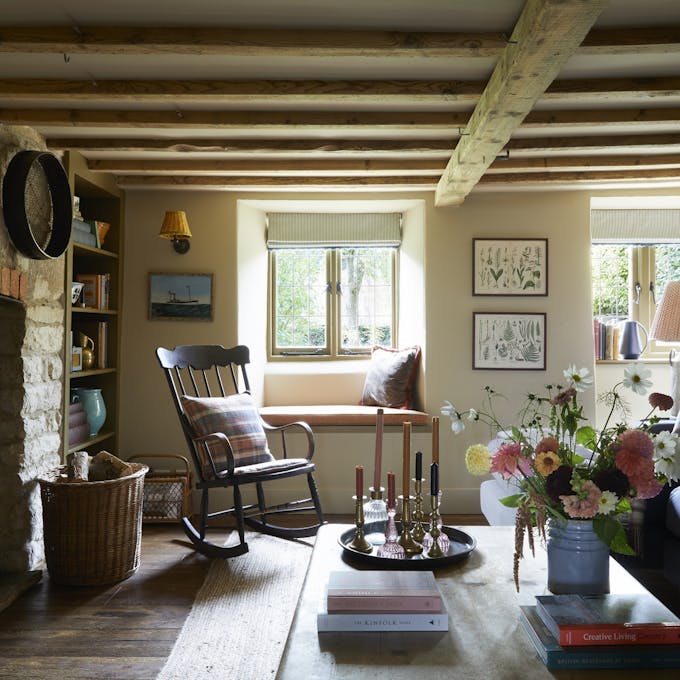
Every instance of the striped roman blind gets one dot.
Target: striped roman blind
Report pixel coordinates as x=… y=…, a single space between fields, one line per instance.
x=333 y=230
x=635 y=225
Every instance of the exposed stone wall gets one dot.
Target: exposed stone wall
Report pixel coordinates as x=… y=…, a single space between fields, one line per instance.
x=31 y=384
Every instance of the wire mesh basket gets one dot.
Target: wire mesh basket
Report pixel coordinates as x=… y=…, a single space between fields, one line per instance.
x=167 y=489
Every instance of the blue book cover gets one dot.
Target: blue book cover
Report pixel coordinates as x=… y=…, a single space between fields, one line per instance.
x=606 y=656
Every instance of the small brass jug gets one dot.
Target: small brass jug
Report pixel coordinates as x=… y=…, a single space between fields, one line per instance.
x=87 y=344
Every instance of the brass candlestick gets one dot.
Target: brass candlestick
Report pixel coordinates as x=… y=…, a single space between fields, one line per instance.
x=405 y=538
x=418 y=531
x=359 y=541
x=435 y=532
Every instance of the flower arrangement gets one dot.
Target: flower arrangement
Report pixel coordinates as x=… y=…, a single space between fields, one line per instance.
x=565 y=469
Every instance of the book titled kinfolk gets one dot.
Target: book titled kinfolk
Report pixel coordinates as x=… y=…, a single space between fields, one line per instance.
x=382 y=592
x=381 y=622
x=555 y=656
x=614 y=619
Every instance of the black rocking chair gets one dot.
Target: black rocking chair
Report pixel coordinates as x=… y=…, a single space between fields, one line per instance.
x=228 y=444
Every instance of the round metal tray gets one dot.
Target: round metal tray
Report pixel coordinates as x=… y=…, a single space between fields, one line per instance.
x=461 y=545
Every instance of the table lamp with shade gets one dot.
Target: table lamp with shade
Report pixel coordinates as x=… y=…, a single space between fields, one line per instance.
x=666 y=328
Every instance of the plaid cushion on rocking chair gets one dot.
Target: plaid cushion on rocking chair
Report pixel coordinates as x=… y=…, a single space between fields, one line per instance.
x=237 y=417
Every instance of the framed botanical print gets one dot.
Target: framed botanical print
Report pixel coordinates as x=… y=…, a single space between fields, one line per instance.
x=510 y=266
x=183 y=297
x=509 y=341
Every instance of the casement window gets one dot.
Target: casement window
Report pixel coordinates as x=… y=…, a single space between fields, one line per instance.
x=635 y=253
x=332 y=283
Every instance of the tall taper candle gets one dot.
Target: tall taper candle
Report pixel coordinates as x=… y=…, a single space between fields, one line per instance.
x=419 y=464
x=360 y=481
x=435 y=439
x=378 y=448
x=434 y=479
x=391 y=489
x=406 y=459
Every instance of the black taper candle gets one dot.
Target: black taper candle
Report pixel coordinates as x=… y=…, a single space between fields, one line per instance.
x=434 y=479
x=419 y=465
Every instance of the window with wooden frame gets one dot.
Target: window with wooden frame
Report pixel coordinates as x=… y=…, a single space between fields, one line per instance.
x=332 y=291
x=635 y=253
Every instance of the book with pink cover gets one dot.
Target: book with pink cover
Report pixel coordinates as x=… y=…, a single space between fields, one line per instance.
x=383 y=591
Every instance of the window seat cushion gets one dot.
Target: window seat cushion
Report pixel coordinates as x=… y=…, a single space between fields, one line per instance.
x=335 y=414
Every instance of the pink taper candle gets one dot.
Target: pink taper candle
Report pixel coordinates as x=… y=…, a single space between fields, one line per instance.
x=360 y=481
x=391 y=490
x=378 y=448
x=406 y=472
x=435 y=439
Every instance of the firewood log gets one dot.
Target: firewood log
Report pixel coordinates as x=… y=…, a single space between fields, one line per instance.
x=107 y=466
x=78 y=465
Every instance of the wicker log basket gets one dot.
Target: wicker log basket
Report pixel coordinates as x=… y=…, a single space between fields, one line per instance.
x=93 y=530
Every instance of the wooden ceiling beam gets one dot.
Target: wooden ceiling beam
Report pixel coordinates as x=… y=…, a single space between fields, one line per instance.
x=580 y=176
x=242 y=42
x=409 y=166
x=373 y=147
x=330 y=120
x=201 y=41
x=402 y=92
x=215 y=181
x=547 y=33
x=557 y=163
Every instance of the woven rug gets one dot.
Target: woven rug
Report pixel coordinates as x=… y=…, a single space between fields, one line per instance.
x=239 y=622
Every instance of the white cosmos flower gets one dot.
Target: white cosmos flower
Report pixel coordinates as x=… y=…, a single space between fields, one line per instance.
x=665 y=445
x=473 y=415
x=580 y=378
x=457 y=425
x=670 y=467
x=608 y=502
x=636 y=377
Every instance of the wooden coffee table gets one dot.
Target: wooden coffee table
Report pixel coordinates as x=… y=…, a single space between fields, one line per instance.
x=485 y=640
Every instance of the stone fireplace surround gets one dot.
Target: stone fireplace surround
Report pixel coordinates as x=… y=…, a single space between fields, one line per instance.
x=31 y=385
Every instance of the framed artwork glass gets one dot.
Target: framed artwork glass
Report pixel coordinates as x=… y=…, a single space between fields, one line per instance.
x=509 y=341
x=187 y=297
x=510 y=266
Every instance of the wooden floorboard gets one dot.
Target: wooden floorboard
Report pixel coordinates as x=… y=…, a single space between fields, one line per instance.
x=124 y=631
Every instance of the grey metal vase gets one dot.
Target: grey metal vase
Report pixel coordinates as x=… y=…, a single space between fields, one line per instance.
x=630 y=347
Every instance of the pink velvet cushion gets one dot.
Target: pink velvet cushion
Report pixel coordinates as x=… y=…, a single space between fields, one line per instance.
x=237 y=417
x=390 y=377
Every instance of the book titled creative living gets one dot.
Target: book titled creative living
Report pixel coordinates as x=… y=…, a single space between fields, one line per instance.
x=555 y=656
x=614 y=619
x=383 y=591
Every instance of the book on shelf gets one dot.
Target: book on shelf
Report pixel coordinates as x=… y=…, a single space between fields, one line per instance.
x=381 y=621
x=95 y=289
x=555 y=656
x=102 y=344
x=84 y=233
x=383 y=591
x=613 y=619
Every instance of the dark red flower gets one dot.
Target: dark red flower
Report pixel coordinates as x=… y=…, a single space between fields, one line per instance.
x=613 y=480
x=661 y=401
x=558 y=483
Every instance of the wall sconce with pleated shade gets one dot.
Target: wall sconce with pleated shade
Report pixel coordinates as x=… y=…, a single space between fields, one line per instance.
x=666 y=327
x=176 y=228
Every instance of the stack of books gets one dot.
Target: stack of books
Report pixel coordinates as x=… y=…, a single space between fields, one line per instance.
x=382 y=601
x=84 y=232
x=78 y=427
x=603 y=631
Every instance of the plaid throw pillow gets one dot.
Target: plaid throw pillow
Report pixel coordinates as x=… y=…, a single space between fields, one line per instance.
x=237 y=417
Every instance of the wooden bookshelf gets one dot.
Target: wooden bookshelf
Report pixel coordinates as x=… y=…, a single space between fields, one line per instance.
x=100 y=199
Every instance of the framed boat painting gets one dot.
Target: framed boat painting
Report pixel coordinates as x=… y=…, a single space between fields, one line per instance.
x=510 y=266
x=181 y=297
x=509 y=341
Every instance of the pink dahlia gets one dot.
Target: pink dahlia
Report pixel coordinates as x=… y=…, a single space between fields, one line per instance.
x=637 y=441
x=508 y=460
x=548 y=444
x=646 y=486
x=631 y=462
x=583 y=508
x=564 y=397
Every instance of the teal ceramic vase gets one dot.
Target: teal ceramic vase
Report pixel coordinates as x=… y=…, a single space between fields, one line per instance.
x=94 y=406
x=578 y=561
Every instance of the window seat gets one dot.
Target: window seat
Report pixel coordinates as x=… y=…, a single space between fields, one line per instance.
x=340 y=415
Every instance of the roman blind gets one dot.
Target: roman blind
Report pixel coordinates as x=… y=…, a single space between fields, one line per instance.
x=635 y=226
x=333 y=230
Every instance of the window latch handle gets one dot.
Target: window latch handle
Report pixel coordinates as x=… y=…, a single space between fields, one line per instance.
x=652 y=291
x=338 y=288
x=638 y=288
x=329 y=287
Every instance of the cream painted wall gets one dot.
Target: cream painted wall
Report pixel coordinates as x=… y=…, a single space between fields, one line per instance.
x=149 y=423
